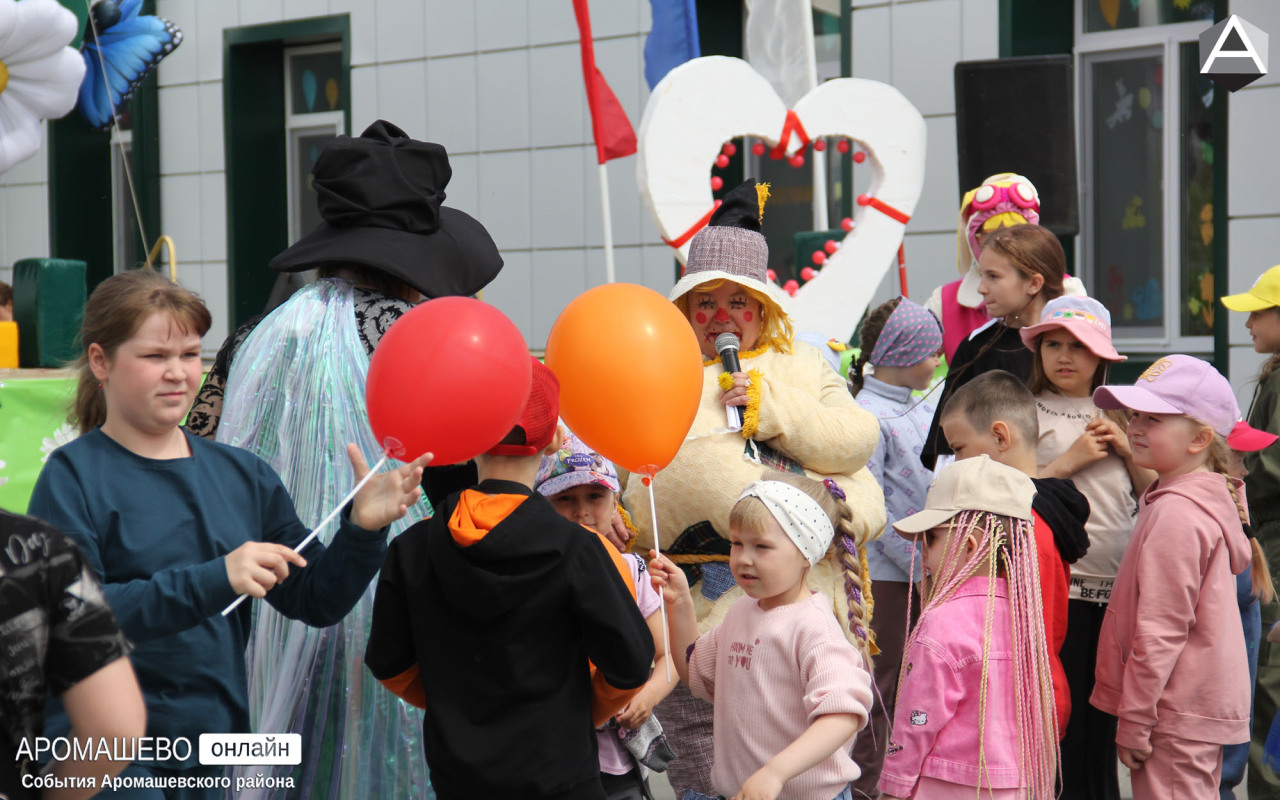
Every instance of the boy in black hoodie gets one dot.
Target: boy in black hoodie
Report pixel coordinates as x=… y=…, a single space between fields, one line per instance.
x=995 y=415
x=511 y=626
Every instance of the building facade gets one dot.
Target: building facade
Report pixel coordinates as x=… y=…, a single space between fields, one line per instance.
x=1176 y=200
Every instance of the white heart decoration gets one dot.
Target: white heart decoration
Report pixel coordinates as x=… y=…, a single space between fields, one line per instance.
x=705 y=102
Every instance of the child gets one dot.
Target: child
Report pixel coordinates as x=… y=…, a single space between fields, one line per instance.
x=176 y=526
x=57 y=633
x=902 y=340
x=792 y=689
x=1262 y=303
x=583 y=487
x=995 y=415
x=974 y=711
x=1071 y=348
x=1171 y=655
x=6 y=302
x=1021 y=269
x=486 y=616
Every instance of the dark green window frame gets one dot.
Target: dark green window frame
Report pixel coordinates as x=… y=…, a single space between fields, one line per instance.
x=256 y=148
x=80 y=188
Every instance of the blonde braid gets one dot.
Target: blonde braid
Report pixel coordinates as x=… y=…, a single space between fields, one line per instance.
x=1221 y=461
x=846 y=550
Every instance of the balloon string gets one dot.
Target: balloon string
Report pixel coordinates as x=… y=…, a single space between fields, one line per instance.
x=324 y=522
x=124 y=156
x=662 y=599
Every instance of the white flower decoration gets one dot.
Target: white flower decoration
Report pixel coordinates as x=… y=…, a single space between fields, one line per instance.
x=40 y=75
x=3 y=481
x=65 y=433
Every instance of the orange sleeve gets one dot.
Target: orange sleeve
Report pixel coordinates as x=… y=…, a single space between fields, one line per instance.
x=607 y=700
x=408 y=687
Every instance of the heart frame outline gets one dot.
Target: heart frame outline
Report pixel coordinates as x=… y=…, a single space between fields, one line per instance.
x=705 y=102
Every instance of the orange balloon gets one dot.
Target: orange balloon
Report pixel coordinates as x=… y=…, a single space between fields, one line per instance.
x=630 y=373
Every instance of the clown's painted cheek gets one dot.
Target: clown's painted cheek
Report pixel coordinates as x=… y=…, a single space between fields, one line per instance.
x=748 y=316
x=721 y=315
x=701 y=318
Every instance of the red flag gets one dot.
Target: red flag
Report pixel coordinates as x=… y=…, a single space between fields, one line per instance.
x=613 y=133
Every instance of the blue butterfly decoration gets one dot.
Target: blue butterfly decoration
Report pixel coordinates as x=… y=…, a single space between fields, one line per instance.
x=129 y=46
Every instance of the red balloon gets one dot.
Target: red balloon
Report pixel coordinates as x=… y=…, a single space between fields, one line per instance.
x=450 y=377
x=758 y=148
x=859 y=157
x=717 y=183
x=847 y=223
x=796 y=161
x=843 y=145
x=722 y=161
x=773 y=276
x=729 y=148
x=808 y=272
x=819 y=144
x=831 y=247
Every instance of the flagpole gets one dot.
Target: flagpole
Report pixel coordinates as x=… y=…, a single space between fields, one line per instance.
x=820 y=221
x=609 y=277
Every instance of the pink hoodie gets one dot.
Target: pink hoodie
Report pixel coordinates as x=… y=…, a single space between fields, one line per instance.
x=1171 y=653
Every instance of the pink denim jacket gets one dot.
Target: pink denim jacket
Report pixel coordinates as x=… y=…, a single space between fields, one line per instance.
x=935 y=726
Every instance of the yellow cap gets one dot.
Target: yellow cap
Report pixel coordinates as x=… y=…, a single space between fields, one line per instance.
x=1265 y=293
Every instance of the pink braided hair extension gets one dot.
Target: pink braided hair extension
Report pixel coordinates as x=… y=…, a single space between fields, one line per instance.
x=1033 y=679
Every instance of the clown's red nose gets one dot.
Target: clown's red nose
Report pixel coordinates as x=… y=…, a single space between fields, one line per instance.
x=721 y=315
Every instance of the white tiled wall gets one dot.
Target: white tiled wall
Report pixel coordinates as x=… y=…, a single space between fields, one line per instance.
x=914 y=46
x=1252 y=206
x=1254 y=215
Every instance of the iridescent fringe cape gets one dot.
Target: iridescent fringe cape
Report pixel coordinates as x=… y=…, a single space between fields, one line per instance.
x=295 y=397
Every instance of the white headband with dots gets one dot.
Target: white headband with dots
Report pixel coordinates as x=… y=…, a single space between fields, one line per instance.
x=800 y=516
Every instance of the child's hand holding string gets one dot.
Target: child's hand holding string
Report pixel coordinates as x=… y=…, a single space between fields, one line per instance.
x=254 y=568
x=388 y=495
x=669 y=579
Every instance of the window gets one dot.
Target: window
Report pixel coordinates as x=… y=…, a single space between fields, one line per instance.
x=1148 y=138
x=314 y=116
x=124 y=226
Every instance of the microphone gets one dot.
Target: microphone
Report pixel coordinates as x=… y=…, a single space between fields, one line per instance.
x=727 y=348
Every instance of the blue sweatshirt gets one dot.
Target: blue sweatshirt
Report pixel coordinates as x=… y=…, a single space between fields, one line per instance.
x=157 y=534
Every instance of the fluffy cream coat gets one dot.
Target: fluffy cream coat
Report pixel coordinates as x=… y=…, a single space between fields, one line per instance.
x=800 y=407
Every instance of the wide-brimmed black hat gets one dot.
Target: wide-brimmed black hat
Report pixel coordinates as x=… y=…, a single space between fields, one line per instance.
x=381 y=195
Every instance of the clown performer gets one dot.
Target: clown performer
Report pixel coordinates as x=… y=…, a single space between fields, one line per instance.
x=796 y=414
x=1001 y=201
x=294 y=395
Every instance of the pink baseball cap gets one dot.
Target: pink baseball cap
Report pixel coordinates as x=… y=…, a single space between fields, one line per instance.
x=1180 y=384
x=1085 y=318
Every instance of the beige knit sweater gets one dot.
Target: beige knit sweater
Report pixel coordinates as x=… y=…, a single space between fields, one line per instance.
x=801 y=408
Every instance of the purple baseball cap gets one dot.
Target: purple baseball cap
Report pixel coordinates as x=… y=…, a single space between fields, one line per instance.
x=574 y=464
x=1180 y=384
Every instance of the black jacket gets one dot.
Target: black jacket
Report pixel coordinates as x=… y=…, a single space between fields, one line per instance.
x=996 y=346
x=1066 y=509
x=501 y=631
